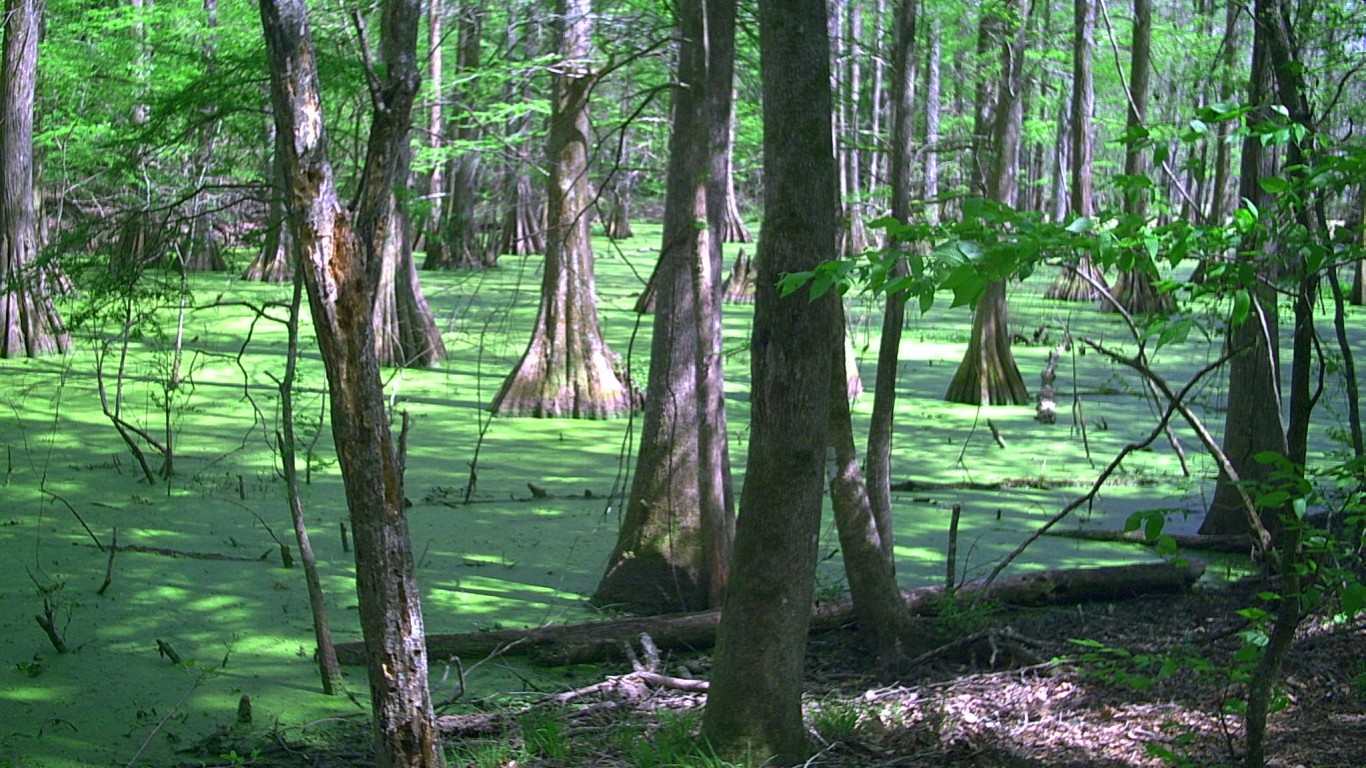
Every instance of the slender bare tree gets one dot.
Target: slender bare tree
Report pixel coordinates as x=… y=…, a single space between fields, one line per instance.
x=341 y=266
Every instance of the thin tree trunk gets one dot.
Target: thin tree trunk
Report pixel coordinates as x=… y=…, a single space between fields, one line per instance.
x=1134 y=288
x=865 y=540
x=714 y=476
x=328 y=669
x=523 y=230
x=1077 y=282
x=880 y=430
x=341 y=272
x=433 y=183
x=932 y=89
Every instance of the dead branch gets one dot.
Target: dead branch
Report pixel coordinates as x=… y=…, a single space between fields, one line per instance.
x=49 y=624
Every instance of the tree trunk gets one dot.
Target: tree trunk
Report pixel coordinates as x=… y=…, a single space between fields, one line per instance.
x=200 y=250
x=673 y=548
x=1072 y=283
x=406 y=335
x=733 y=229
x=456 y=241
x=29 y=322
x=932 y=89
x=523 y=230
x=326 y=653
x=435 y=180
x=1253 y=421
x=739 y=285
x=1358 y=295
x=753 y=709
x=341 y=272
x=715 y=488
x=879 y=456
x=1134 y=288
x=865 y=540
x=988 y=373
x=567 y=370
x=274 y=263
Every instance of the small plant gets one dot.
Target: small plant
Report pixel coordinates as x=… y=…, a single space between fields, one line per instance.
x=958 y=616
x=544 y=736
x=1172 y=755
x=1120 y=666
x=670 y=744
x=836 y=720
x=482 y=755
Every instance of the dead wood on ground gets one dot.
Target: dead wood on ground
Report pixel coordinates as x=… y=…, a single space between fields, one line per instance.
x=602 y=640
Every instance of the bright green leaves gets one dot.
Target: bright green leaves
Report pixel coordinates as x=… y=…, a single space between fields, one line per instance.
x=1152 y=521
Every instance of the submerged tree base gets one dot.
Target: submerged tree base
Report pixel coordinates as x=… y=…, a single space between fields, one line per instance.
x=1135 y=291
x=1073 y=284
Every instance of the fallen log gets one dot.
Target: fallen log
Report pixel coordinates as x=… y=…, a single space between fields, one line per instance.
x=1233 y=542
x=683 y=632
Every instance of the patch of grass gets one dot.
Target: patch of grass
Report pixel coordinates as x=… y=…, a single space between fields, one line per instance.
x=836 y=720
x=544 y=736
x=673 y=743
x=482 y=755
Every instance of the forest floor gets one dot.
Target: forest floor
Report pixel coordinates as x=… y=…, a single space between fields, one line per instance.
x=1147 y=689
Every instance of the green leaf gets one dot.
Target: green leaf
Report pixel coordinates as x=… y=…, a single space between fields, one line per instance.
x=1242 y=305
x=1353 y=598
x=1274 y=185
x=793 y=281
x=1080 y=225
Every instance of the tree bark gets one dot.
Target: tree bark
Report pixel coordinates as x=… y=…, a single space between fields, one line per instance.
x=274 y=263
x=1253 y=422
x=988 y=373
x=664 y=559
x=1357 y=297
x=715 y=488
x=879 y=455
x=753 y=709
x=405 y=331
x=341 y=272
x=1134 y=288
x=523 y=230
x=567 y=369
x=1072 y=283
x=455 y=241
x=29 y=322
x=865 y=539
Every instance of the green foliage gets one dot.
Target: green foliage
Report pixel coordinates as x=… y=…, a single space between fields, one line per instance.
x=1120 y=666
x=836 y=719
x=481 y=755
x=959 y=616
x=545 y=736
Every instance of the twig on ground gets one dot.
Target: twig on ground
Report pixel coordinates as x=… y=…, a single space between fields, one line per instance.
x=109 y=567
